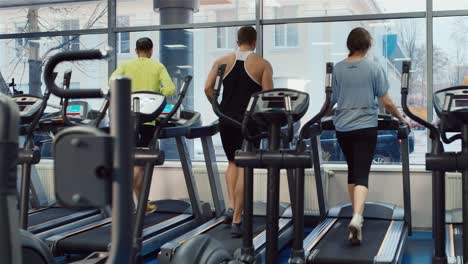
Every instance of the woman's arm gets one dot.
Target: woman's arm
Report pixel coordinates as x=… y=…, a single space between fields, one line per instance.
x=388 y=104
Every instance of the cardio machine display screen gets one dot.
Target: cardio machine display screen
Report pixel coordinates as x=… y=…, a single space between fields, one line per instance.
x=23 y=105
x=276 y=104
x=74 y=110
x=461 y=103
x=167 y=109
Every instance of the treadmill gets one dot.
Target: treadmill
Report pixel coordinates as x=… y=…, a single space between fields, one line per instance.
x=449 y=229
x=216 y=230
x=172 y=217
x=53 y=219
x=386 y=226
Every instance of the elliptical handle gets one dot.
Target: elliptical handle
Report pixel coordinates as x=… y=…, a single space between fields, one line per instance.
x=214 y=100
x=219 y=78
x=405 y=77
x=304 y=133
x=73 y=56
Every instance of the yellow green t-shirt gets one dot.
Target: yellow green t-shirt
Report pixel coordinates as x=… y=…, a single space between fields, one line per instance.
x=146 y=75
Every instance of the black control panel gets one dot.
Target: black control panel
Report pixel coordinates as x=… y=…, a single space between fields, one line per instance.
x=29 y=107
x=275 y=105
x=451 y=106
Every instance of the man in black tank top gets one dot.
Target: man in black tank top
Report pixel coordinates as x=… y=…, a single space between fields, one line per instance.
x=246 y=74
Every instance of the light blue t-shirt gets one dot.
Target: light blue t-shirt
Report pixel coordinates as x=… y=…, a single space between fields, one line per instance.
x=356 y=85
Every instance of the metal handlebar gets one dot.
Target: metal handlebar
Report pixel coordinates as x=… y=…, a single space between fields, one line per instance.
x=304 y=133
x=405 y=77
x=183 y=90
x=73 y=56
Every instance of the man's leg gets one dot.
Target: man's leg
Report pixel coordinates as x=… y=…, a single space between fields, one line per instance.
x=239 y=196
x=231 y=178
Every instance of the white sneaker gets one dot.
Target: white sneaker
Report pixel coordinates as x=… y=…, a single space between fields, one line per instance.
x=355 y=229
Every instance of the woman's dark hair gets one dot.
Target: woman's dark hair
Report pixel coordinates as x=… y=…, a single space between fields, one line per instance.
x=359 y=40
x=144 y=44
x=246 y=35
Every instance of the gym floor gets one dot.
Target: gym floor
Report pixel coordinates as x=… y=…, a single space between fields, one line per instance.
x=418 y=250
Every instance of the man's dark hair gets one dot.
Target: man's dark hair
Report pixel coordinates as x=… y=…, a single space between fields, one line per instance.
x=246 y=35
x=144 y=44
x=359 y=40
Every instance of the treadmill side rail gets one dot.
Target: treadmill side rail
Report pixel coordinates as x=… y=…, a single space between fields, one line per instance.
x=393 y=243
x=318 y=233
x=168 y=249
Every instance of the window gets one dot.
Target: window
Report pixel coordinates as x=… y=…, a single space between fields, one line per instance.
x=43 y=18
x=20 y=43
x=327 y=42
x=307 y=8
x=286 y=35
x=123 y=38
x=450 y=4
x=141 y=12
x=71 y=42
x=28 y=71
x=227 y=38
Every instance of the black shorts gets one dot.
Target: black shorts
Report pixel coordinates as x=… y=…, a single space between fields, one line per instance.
x=232 y=139
x=358 y=147
x=144 y=137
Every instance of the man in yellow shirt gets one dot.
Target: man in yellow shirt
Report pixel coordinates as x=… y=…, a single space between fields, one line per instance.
x=146 y=75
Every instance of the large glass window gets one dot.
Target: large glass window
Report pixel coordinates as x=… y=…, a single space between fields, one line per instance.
x=308 y=8
x=450 y=4
x=91 y=15
x=28 y=69
x=141 y=12
x=450 y=66
x=393 y=40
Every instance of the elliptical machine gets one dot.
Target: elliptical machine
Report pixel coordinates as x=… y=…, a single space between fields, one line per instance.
x=451 y=106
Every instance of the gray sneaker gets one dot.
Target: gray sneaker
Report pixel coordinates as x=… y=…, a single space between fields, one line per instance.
x=355 y=229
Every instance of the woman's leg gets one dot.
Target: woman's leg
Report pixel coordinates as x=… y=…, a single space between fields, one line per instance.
x=365 y=142
x=347 y=149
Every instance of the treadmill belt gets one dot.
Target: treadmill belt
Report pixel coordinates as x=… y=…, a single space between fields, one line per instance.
x=98 y=239
x=222 y=233
x=50 y=214
x=336 y=248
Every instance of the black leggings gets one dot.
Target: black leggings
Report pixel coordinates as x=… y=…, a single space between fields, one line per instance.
x=358 y=147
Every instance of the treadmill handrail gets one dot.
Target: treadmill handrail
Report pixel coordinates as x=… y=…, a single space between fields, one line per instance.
x=304 y=133
x=163 y=123
x=203 y=131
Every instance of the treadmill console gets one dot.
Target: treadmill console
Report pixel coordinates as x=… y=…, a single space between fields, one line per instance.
x=148 y=105
x=451 y=106
x=29 y=107
x=272 y=106
x=76 y=109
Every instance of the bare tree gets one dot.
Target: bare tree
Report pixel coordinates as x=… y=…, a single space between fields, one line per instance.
x=32 y=49
x=460 y=38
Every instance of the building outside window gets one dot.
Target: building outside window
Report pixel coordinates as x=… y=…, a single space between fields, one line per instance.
x=286 y=35
x=71 y=42
x=123 y=38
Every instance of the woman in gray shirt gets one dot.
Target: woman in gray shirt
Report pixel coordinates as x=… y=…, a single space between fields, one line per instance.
x=357 y=82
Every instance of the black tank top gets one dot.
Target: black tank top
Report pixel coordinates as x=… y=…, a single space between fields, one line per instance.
x=238 y=88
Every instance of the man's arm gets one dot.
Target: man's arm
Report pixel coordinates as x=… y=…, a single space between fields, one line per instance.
x=168 y=87
x=388 y=104
x=211 y=81
x=118 y=72
x=267 y=77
